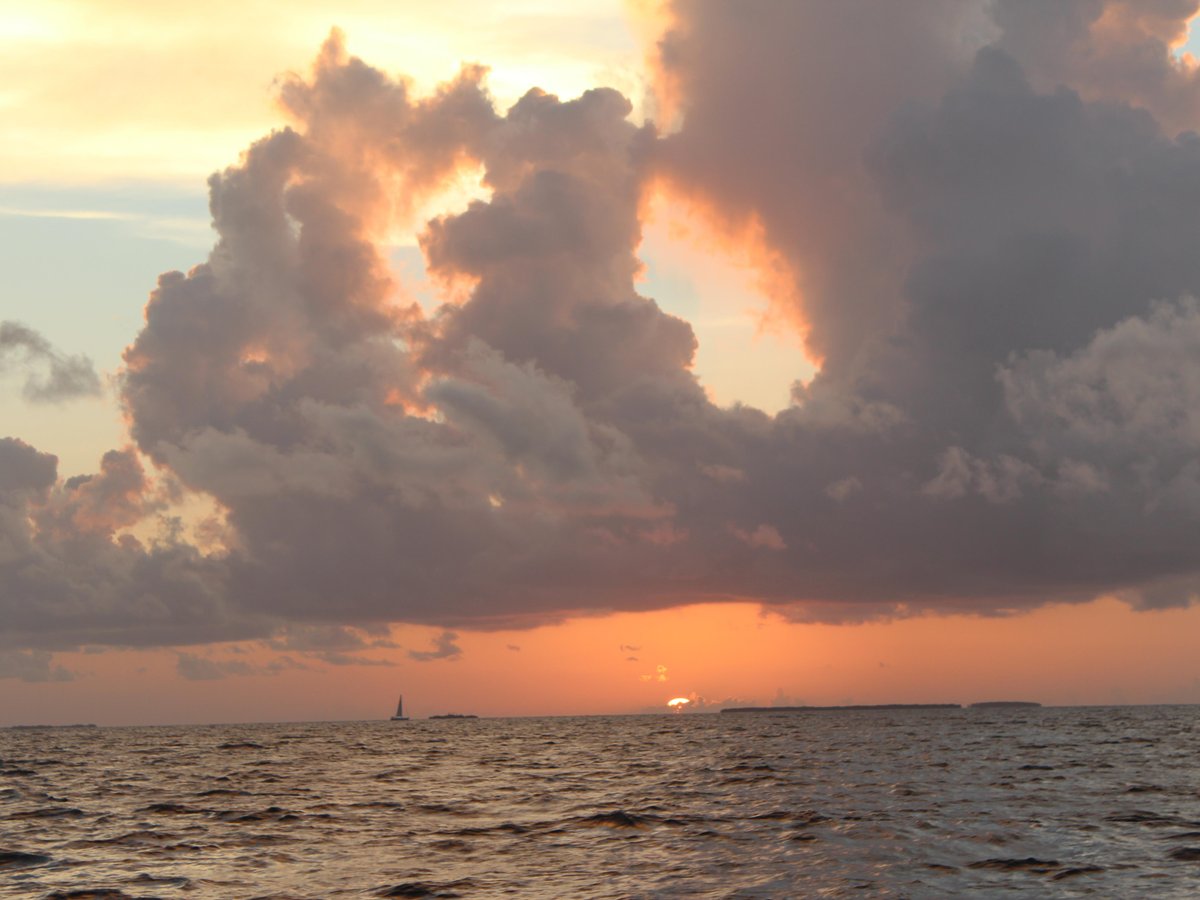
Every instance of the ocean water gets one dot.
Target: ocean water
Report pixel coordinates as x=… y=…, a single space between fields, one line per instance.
x=1101 y=802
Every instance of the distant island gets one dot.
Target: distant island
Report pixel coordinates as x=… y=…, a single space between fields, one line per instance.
x=866 y=706
x=454 y=716
x=1005 y=704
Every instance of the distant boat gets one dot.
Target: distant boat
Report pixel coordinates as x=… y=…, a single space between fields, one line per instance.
x=400 y=716
x=455 y=716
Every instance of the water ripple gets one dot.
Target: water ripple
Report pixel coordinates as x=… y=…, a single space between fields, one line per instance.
x=1052 y=803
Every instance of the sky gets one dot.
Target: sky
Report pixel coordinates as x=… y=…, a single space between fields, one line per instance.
x=540 y=362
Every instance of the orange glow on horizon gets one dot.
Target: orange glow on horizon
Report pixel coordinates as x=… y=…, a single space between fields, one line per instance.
x=732 y=654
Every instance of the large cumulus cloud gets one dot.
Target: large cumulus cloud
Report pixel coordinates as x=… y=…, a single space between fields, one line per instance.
x=991 y=249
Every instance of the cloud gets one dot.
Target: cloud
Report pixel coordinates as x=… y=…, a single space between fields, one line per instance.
x=843 y=488
x=25 y=469
x=196 y=667
x=990 y=249
x=766 y=536
x=333 y=645
x=32 y=666
x=1132 y=387
x=723 y=472
x=202 y=668
x=52 y=377
x=345 y=659
x=1116 y=51
x=959 y=473
x=444 y=647
x=318 y=638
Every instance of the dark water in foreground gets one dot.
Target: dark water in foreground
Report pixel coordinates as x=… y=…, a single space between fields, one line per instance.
x=1047 y=803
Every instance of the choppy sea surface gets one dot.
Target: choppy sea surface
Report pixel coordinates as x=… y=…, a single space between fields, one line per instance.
x=1054 y=802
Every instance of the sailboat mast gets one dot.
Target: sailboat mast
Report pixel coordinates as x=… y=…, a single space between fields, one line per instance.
x=400 y=707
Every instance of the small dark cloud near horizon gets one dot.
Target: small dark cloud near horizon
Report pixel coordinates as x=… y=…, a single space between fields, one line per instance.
x=515 y=648
x=984 y=220
x=345 y=659
x=198 y=667
x=444 y=647
x=335 y=645
x=194 y=667
x=33 y=666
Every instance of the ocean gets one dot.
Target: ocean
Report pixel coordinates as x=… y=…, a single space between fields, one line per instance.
x=1051 y=802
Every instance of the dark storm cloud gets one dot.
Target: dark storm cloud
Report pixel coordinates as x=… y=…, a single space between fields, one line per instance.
x=992 y=250
x=51 y=377
x=71 y=576
x=1117 y=50
x=25 y=470
x=1029 y=227
x=778 y=107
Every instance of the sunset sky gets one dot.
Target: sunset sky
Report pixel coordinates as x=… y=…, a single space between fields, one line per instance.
x=574 y=359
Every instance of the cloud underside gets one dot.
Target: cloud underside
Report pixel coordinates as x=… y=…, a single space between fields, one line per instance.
x=991 y=240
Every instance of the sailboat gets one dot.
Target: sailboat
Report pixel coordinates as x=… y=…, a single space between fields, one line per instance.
x=400 y=716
